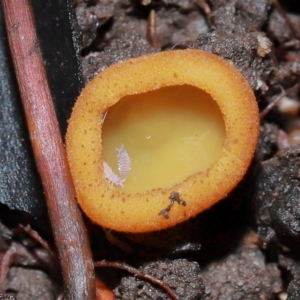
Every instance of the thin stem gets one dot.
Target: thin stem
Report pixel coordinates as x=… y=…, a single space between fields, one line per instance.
x=292 y=25
x=66 y=220
x=36 y=237
x=5 y=262
x=138 y=273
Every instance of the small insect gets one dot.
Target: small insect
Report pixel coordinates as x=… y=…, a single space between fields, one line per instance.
x=174 y=197
x=124 y=162
x=111 y=176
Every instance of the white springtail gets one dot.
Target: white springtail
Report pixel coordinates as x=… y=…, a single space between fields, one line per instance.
x=111 y=176
x=124 y=162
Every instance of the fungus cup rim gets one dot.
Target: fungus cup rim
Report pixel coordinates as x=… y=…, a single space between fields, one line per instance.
x=113 y=209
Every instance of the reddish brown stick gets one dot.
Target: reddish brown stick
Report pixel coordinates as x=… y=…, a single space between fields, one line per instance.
x=36 y=237
x=139 y=273
x=151 y=30
x=68 y=228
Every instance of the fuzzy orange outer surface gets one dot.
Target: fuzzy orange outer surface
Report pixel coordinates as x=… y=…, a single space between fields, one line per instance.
x=139 y=212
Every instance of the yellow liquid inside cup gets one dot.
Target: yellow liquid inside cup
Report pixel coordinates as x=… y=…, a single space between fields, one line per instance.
x=170 y=134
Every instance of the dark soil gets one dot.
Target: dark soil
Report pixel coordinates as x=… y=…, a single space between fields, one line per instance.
x=247 y=246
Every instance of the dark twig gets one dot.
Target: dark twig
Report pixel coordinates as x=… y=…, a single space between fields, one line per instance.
x=272 y=104
x=5 y=263
x=205 y=7
x=292 y=25
x=68 y=228
x=293 y=89
x=151 y=30
x=283 y=93
x=138 y=273
x=36 y=237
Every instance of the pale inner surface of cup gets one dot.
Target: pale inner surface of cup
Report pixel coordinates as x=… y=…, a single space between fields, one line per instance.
x=169 y=134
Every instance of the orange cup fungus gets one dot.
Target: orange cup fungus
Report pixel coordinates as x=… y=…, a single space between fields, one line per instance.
x=155 y=140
